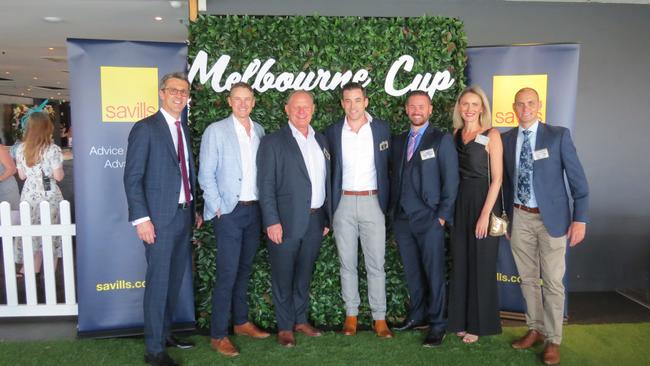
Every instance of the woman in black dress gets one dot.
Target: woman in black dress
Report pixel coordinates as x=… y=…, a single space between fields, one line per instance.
x=473 y=300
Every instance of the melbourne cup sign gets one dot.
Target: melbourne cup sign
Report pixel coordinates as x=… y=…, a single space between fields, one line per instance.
x=262 y=78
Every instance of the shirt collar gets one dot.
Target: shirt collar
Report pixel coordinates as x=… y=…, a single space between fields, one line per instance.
x=239 y=127
x=168 y=117
x=532 y=129
x=346 y=125
x=421 y=130
x=296 y=133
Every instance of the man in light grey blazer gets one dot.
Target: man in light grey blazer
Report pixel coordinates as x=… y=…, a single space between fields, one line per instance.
x=228 y=177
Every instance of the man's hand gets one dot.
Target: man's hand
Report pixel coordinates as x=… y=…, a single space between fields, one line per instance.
x=326 y=230
x=274 y=232
x=146 y=232
x=441 y=221
x=198 y=220
x=576 y=233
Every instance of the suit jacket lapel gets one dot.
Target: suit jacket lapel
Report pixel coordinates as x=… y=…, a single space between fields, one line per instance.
x=232 y=140
x=337 y=144
x=426 y=140
x=294 y=150
x=376 y=140
x=163 y=130
x=539 y=141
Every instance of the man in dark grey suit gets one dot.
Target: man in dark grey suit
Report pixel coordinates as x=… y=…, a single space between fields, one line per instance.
x=537 y=157
x=159 y=180
x=293 y=183
x=424 y=186
x=360 y=147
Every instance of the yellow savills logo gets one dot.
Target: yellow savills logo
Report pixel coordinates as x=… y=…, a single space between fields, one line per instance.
x=504 y=88
x=129 y=94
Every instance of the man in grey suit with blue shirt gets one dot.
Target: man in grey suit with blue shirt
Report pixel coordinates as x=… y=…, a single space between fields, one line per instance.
x=228 y=177
x=159 y=181
x=537 y=157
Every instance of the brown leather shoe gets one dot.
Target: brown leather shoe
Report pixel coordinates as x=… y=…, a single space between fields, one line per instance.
x=350 y=326
x=307 y=329
x=381 y=329
x=249 y=329
x=551 y=354
x=530 y=339
x=224 y=346
x=286 y=339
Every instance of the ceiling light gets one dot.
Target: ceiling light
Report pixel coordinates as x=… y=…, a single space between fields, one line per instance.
x=35 y=78
x=53 y=19
x=29 y=89
x=58 y=93
x=7 y=72
x=51 y=48
x=22 y=94
x=58 y=83
x=158 y=18
x=175 y=4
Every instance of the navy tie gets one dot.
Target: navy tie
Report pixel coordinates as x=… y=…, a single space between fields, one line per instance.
x=524 y=179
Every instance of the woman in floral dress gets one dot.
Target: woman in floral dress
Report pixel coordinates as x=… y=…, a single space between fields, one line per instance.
x=40 y=162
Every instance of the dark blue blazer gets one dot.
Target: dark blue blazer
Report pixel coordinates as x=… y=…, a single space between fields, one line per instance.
x=381 y=142
x=152 y=174
x=548 y=178
x=284 y=185
x=435 y=180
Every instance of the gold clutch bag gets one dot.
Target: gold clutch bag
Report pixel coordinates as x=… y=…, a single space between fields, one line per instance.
x=498 y=225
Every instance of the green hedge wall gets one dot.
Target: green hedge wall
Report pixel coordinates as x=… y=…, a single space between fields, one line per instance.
x=300 y=43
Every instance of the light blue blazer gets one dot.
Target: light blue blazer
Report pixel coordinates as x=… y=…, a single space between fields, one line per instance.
x=220 y=171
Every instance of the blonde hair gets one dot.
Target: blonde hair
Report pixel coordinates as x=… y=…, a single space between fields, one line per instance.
x=37 y=137
x=485 y=118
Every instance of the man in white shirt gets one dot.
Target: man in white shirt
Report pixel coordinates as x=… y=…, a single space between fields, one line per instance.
x=360 y=190
x=159 y=183
x=228 y=177
x=293 y=181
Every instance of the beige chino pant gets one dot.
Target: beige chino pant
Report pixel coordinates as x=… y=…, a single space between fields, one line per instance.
x=537 y=253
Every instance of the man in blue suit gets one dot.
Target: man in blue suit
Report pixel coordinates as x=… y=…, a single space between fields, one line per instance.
x=159 y=180
x=293 y=181
x=424 y=186
x=360 y=154
x=536 y=158
x=228 y=177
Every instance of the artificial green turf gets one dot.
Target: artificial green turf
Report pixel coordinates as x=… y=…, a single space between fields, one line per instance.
x=611 y=344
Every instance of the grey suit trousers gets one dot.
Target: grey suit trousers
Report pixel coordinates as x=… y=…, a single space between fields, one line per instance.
x=360 y=217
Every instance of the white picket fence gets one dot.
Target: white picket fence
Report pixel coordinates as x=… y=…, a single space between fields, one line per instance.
x=18 y=224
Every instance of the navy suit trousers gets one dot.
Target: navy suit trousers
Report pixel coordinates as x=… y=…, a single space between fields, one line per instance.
x=167 y=260
x=423 y=257
x=292 y=266
x=238 y=237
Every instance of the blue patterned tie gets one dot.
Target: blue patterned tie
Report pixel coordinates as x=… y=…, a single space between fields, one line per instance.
x=410 y=148
x=524 y=184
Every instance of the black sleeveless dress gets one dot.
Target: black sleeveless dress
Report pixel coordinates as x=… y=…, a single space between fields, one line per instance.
x=473 y=296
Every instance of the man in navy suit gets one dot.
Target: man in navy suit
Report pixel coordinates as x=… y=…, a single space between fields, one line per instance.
x=293 y=182
x=536 y=158
x=228 y=177
x=159 y=180
x=424 y=186
x=360 y=154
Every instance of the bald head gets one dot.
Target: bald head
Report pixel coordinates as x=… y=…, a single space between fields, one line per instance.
x=528 y=90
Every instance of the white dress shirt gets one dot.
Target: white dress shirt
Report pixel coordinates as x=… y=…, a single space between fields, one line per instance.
x=248 y=146
x=171 y=124
x=315 y=162
x=358 y=157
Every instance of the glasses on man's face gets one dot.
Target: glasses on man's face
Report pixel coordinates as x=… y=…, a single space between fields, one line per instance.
x=181 y=92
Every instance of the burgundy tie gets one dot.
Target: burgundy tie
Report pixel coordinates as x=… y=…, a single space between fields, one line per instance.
x=181 y=161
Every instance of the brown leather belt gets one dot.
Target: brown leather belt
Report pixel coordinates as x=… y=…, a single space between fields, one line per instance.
x=360 y=193
x=534 y=210
x=247 y=203
x=314 y=210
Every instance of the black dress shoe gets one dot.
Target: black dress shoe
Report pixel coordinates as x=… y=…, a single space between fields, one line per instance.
x=172 y=341
x=161 y=359
x=433 y=339
x=409 y=324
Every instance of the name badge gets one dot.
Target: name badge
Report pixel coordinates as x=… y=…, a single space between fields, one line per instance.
x=326 y=153
x=427 y=154
x=383 y=145
x=482 y=139
x=540 y=154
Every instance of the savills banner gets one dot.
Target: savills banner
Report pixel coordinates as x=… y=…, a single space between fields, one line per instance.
x=113 y=84
x=502 y=70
